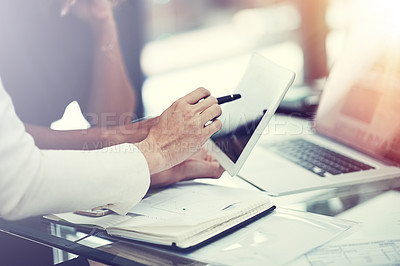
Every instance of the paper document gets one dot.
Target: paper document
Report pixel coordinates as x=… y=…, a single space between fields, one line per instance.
x=275 y=239
x=376 y=242
x=385 y=252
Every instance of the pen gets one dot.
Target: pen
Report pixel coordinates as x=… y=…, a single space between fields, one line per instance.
x=228 y=98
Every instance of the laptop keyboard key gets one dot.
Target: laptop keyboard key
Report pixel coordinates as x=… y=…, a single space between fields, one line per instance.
x=317 y=159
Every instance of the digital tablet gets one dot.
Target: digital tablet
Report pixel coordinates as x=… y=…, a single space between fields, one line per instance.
x=262 y=88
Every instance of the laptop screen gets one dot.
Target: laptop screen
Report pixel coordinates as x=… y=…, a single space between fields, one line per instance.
x=360 y=105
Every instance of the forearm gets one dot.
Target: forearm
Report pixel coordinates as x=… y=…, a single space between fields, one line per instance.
x=112 y=97
x=34 y=182
x=63 y=181
x=92 y=138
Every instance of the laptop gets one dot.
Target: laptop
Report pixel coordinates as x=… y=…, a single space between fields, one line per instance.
x=356 y=130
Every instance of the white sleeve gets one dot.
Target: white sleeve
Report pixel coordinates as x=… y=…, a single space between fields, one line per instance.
x=34 y=181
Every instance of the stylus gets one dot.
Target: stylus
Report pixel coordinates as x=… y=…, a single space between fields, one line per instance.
x=228 y=98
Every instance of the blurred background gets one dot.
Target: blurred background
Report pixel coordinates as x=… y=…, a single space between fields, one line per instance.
x=208 y=43
x=171 y=47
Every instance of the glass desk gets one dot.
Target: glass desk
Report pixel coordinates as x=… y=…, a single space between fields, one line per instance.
x=96 y=247
x=99 y=247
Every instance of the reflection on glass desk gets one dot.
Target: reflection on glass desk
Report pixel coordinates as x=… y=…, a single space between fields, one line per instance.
x=95 y=247
x=99 y=247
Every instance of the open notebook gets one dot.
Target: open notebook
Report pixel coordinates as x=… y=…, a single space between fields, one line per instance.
x=183 y=216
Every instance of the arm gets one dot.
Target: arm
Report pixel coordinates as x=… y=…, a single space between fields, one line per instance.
x=118 y=176
x=92 y=138
x=34 y=181
x=111 y=92
x=200 y=165
x=112 y=98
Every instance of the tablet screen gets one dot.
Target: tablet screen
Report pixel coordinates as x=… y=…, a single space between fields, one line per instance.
x=262 y=87
x=232 y=140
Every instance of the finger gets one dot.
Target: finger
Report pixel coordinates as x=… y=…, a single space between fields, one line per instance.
x=201 y=154
x=202 y=169
x=206 y=103
x=210 y=158
x=206 y=155
x=196 y=95
x=219 y=170
x=211 y=113
x=213 y=127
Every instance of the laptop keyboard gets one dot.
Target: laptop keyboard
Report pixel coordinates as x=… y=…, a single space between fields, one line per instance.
x=317 y=159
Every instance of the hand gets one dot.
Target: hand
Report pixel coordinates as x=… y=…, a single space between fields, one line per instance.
x=181 y=130
x=92 y=11
x=200 y=165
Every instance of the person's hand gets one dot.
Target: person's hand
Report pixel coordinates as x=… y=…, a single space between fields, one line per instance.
x=200 y=165
x=92 y=11
x=181 y=130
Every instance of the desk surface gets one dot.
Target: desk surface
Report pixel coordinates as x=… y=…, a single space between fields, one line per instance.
x=331 y=202
x=121 y=252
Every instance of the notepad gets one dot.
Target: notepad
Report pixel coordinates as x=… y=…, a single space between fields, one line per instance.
x=183 y=216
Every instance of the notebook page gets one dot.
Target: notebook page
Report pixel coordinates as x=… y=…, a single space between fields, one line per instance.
x=103 y=222
x=194 y=203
